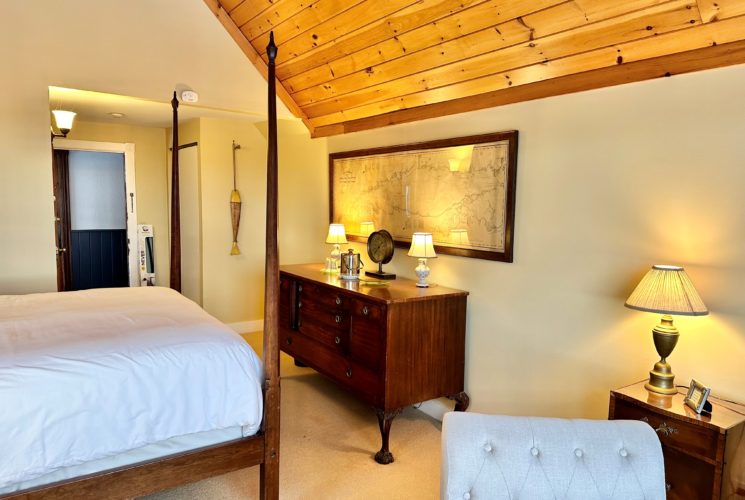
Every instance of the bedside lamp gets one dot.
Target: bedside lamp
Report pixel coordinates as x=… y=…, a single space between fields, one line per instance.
x=422 y=248
x=336 y=236
x=366 y=228
x=666 y=290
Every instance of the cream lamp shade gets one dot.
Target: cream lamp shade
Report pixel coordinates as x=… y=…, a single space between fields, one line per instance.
x=666 y=290
x=366 y=228
x=421 y=246
x=63 y=120
x=423 y=249
x=336 y=234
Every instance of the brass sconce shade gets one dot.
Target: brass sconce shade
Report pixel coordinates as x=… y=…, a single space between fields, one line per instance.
x=666 y=290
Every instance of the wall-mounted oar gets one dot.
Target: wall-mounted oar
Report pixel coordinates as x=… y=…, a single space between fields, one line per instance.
x=235 y=208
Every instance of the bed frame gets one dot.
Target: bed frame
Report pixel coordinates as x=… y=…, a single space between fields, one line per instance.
x=193 y=465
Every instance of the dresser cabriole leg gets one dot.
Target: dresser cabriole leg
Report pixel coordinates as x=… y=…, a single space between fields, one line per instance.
x=461 y=401
x=385 y=419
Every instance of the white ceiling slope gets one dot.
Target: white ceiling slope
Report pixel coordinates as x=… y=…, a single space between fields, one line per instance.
x=140 y=48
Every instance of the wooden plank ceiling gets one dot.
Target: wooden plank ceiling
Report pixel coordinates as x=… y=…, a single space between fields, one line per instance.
x=349 y=65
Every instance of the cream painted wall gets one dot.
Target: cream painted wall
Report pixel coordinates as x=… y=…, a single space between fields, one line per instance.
x=233 y=286
x=129 y=48
x=150 y=178
x=609 y=182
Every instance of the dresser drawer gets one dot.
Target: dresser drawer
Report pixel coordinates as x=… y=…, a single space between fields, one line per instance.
x=326 y=297
x=346 y=372
x=367 y=338
x=690 y=437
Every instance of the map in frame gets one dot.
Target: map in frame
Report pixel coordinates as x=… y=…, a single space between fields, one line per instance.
x=460 y=190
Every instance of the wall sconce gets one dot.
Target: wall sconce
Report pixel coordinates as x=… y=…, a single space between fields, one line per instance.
x=366 y=228
x=336 y=236
x=459 y=237
x=63 y=121
x=422 y=248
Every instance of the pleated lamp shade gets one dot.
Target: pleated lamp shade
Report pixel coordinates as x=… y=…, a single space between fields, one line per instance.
x=667 y=290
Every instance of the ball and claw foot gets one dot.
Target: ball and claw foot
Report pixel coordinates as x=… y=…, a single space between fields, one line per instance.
x=461 y=401
x=384 y=457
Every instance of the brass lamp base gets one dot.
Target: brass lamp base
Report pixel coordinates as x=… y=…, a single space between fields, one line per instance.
x=661 y=378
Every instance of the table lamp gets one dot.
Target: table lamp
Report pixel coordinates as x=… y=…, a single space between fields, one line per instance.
x=336 y=236
x=666 y=290
x=422 y=248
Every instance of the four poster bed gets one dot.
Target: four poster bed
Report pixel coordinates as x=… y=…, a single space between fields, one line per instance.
x=47 y=339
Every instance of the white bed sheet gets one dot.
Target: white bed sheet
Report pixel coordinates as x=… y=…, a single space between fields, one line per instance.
x=92 y=374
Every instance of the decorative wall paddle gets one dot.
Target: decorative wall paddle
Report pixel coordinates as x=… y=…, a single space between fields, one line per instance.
x=235 y=207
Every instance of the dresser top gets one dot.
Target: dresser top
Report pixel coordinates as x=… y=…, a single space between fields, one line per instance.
x=398 y=290
x=724 y=415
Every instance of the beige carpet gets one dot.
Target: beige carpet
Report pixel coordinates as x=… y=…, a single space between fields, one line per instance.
x=327 y=444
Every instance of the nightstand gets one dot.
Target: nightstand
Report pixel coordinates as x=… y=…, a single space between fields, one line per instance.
x=700 y=450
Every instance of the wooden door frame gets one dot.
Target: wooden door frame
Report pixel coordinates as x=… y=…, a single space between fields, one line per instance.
x=128 y=149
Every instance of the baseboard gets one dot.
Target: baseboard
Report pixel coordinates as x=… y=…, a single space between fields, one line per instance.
x=436 y=408
x=247 y=326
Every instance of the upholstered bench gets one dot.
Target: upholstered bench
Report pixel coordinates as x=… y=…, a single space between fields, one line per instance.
x=493 y=456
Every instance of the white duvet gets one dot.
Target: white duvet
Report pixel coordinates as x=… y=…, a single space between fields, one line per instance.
x=90 y=374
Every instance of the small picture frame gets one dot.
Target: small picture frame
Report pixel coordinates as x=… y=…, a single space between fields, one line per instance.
x=697 y=397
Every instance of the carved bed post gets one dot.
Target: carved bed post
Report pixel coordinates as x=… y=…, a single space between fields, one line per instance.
x=175 y=205
x=270 y=468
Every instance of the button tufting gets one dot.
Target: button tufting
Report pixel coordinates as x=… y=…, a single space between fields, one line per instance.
x=578 y=453
x=623 y=452
x=534 y=451
x=466 y=496
x=487 y=448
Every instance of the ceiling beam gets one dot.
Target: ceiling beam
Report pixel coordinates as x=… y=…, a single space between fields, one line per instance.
x=684 y=62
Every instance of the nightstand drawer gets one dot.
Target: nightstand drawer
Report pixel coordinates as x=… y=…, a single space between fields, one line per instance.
x=687 y=477
x=672 y=432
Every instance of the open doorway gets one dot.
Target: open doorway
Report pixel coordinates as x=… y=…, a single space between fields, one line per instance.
x=95 y=214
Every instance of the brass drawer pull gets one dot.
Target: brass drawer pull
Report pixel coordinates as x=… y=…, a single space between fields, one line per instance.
x=337 y=318
x=337 y=340
x=663 y=428
x=338 y=300
x=349 y=373
x=299 y=304
x=300 y=288
x=365 y=310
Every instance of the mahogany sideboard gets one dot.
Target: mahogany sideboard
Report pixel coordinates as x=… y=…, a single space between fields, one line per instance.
x=700 y=451
x=391 y=345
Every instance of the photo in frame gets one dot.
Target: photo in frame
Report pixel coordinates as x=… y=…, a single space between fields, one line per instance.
x=461 y=190
x=697 y=397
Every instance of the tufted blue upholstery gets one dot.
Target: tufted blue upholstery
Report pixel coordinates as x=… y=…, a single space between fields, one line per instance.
x=496 y=457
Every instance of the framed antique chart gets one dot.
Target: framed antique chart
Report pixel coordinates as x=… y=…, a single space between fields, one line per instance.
x=461 y=190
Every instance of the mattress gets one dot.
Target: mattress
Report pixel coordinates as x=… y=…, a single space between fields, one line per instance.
x=89 y=375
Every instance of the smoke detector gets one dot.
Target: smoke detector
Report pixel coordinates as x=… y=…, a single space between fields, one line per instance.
x=189 y=96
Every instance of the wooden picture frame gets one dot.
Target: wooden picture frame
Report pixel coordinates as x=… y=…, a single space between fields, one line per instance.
x=462 y=190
